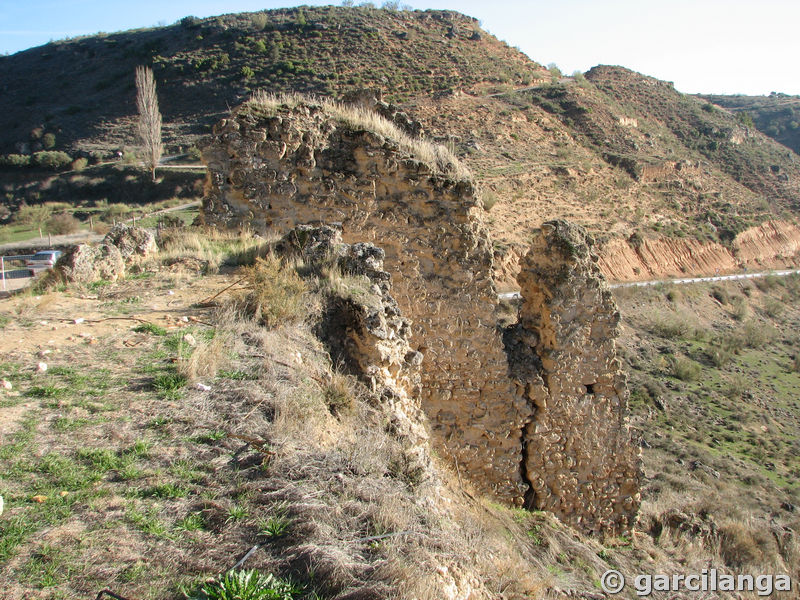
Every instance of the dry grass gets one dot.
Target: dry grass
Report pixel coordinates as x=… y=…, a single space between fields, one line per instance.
x=212 y=247
x=207 y=357
x=439 y=158
x=274 y=292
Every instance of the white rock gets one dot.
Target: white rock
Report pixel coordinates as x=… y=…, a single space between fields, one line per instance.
x=7 y=385
x=41 y=367
x=44 y=353
x=298 y=358
x=189 y=339
x=170 y=293
x=202 y=387
x=185 y=319
x=79 y=320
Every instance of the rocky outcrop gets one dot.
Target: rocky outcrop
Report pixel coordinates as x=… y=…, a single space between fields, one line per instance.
x=579 y=457
x=769 y=241
x=131 y=241
x=772 y=244
x=85 y=264
x=277 y=164
x=660 y=258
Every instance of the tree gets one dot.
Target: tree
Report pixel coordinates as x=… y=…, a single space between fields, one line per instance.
x=149 y=125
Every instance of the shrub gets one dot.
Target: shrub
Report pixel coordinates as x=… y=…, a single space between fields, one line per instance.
x=555 y=72
x=767 y=283
x=259 y=20
x=489 y=200
x=740 y=308
x=721 y=295
x=744 y=544
x=115 y=211
x=736 y=386
x=773 y=307
x=275 y=292
x=195 y=153
x=49 y=141
x=15 y=160
x=672 y=326
x=33 y=214
x=339 y=394
x=63 y=224
x=756 y=335
x=79 y=164
x=247 y=72
x=685 y=369
x=54 y=160
x=190 y=22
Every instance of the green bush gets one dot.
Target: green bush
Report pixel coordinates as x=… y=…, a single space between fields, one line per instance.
x=49 y=141
x=15 y=160
x=79 y=164
x=259 y=20
x=35 y=214
x=247 y=72
x=248 y=585
x=756 y=335
x=673 y=326
x=685 y=369
x=54 y=160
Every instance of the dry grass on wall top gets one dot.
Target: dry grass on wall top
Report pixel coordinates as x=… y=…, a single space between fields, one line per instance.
x=439 y=158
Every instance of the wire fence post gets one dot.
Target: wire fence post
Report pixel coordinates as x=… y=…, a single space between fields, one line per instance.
x=3 y=268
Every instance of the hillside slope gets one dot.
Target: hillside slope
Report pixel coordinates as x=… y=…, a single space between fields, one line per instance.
x=82 y=89
x=776 y=115
x=120 y=472
x=625 y=155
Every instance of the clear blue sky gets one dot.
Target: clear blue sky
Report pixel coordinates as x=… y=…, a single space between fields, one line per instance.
x=720 y=46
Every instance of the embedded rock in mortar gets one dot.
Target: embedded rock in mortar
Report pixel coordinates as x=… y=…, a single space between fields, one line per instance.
x=579 y=459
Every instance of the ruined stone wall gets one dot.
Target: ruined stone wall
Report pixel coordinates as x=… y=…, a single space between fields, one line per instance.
x=275 y=166
x=366 y=332
x=273 y=170
x=579 y=457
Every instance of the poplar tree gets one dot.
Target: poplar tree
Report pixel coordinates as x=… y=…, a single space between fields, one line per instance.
x=149 y=124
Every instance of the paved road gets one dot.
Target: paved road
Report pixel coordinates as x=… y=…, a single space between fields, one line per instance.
x=738 y=276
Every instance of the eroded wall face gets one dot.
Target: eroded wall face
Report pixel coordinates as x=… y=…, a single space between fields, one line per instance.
x=579 y=457
x=273 y=172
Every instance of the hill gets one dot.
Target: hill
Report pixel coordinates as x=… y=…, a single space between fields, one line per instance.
x=776 y=115
x=627 y=156
x=82 y=89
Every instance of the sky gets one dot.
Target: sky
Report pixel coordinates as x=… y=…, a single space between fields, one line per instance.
x=703 y=46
